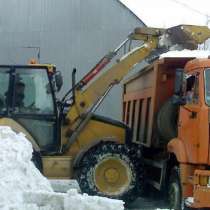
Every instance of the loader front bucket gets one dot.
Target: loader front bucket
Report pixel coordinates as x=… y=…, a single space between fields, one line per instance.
x=181 y=36
x=188 y=36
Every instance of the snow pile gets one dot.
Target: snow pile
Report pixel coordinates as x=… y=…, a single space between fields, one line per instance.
x=71 y=202
x=22 y=186
x=187 y=54
x=17 y=172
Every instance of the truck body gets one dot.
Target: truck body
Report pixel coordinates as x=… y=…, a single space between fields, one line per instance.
x=167 y=107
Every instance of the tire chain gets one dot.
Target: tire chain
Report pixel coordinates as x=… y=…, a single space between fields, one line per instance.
x=128 y=154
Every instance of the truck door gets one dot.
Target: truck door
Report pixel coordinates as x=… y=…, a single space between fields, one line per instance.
x=189 y=120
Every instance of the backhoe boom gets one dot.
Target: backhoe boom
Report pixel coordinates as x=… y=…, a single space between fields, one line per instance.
x=153 y=41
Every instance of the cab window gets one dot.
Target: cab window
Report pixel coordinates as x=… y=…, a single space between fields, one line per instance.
x=32 y=92
x=192 y=89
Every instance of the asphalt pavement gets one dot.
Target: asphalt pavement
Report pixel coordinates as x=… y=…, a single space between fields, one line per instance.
x=152 y=201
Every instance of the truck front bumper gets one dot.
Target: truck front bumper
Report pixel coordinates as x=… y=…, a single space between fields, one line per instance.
x=201 y=192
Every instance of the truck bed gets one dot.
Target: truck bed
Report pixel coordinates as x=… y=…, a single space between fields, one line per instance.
x=144 y=94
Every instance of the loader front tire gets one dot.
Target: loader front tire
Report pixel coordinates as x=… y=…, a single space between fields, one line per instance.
x=107 y=170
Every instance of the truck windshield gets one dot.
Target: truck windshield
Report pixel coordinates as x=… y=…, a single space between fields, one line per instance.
x=207 y=86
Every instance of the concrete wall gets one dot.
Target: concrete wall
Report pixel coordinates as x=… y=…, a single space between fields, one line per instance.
x=69 y=33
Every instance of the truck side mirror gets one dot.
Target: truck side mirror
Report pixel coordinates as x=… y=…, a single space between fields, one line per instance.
x=179 y=77
x=58 y=80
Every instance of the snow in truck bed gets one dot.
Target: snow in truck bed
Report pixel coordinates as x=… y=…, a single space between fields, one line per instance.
x=187 y=53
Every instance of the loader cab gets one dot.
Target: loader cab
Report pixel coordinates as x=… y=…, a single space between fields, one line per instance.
x=27 y=95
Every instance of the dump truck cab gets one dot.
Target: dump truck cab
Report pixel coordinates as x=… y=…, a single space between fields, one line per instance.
x=192 y=148
x=193 y=123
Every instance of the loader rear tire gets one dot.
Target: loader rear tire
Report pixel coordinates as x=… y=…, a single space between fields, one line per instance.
x=107 y=170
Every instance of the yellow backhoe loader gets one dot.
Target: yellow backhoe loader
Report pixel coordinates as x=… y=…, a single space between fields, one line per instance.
x=68 y=138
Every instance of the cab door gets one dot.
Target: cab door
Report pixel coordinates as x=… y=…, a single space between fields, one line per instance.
x=33 y=106
x=190 y=118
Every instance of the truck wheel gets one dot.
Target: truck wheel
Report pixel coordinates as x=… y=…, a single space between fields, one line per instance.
x=167 y=121
x=106 y=170
x=174 y=191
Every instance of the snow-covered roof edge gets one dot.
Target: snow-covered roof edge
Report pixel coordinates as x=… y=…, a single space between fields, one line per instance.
x=132 y=13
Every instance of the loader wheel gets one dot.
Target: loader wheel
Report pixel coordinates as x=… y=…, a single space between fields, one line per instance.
x=108 y=171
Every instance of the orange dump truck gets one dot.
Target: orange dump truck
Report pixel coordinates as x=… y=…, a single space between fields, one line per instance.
x=167 y=105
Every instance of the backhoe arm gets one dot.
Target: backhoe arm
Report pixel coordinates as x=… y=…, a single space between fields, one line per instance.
x=117 y=72
x=88 y=95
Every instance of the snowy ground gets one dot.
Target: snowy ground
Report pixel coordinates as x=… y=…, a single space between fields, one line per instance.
x=23 y=187
x=152 y=200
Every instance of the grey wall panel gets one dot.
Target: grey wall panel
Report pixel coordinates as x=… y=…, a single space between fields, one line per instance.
x=69 y=33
